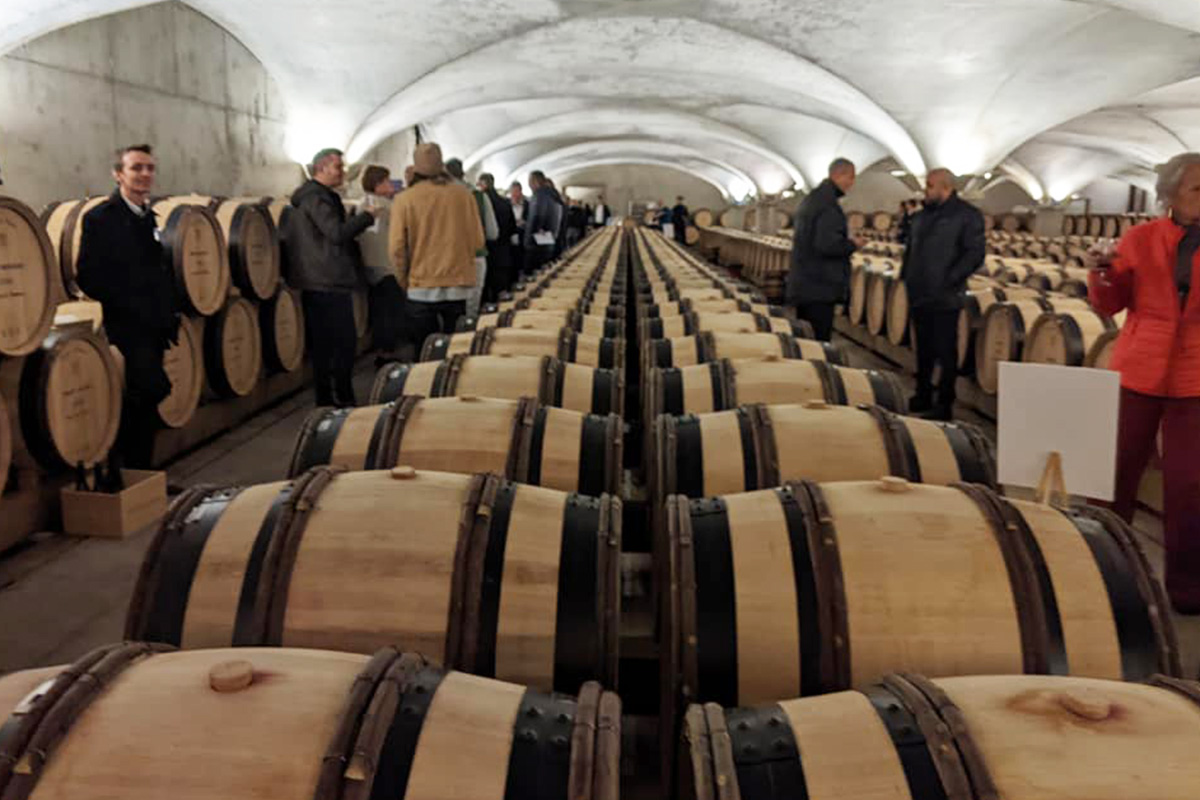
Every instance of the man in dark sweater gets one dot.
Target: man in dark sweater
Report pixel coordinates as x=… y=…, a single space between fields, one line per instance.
x=819 y=277
x=121 y=266
x=946 y=244
x=325 y=266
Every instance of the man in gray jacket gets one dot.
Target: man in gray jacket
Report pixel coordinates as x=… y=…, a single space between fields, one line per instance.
x=324 y=264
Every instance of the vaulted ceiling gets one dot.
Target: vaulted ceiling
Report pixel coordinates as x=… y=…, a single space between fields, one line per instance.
x=750 y=95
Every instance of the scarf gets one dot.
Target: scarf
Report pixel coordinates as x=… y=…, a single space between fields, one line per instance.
x=1183 y=261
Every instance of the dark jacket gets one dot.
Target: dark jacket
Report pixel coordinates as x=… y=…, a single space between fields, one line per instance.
x=121 y=266
x=500 y=251
x=821 y=249
x=321 y=241
x=544 y=212
x=680 y=216
x=945 y=246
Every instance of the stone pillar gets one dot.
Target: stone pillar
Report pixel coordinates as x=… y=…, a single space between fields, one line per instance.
x=1047 y=221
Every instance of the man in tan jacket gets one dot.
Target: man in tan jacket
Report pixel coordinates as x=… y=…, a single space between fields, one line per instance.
x=433 y=235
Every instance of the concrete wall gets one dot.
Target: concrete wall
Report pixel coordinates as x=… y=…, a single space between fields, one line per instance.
x=877 y=191
x=1107 y=196
x=635 y=183
x=162 y=74
x=394 y=152
x=1003 y=197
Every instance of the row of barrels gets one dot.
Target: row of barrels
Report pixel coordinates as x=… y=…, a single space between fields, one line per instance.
x=1107 y=226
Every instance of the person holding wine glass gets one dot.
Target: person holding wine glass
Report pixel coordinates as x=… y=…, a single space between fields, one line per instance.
x=1150 y=275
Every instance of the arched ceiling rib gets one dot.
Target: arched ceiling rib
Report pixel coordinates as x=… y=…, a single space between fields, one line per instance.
x=1067 y=87
x=562 y=175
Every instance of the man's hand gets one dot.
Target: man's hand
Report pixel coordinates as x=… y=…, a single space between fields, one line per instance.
x=859 y=242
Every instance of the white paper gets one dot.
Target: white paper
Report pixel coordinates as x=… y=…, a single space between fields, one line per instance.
x=543 y=238
x=669 y=230
x=1043 y=408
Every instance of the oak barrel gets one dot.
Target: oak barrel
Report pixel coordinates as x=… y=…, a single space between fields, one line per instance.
x=31 y=286
x=1004 y=330
x=759 y=446
x=693 y=323
x=910 y=738
x=64 y=401
x=481 y=574
x=598 y=326
x=714 y=345
x=879 y=286
x=194 y=246
x=134 y=722
x=1065 y=338
x=725 y=384
x=725 y=304
x=233 y=349
x=250 y=235
x=64 y=225
x=362 y=313
x=1099 y=355
x=702 y=217
x=553 y=382
x=519 y=439
x=897 y=312
x=281 y=319
x=184 y=365
x=564 y=344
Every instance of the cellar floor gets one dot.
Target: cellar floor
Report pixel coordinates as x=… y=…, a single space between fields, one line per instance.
x=61 y=596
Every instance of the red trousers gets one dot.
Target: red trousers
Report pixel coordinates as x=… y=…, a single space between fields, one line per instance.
x=1141 y=416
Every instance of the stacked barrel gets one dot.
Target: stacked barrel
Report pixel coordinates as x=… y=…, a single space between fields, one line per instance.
x=808 y=541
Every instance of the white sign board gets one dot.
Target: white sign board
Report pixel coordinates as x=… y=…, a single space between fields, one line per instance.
x=669 y=230
x=1072 y=410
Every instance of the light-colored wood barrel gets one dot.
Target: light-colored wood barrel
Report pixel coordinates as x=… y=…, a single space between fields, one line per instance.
x=564 y=344
x=553 y=382
x=1099 y=355
x=254 y=257
x=519 y=439
x=691 y=235
x=878 y=287
x=362 y=314
x=64 y=401
x=195 y=247
x=897 y=312
x=1005 y=330
x=856 y=220
x=281 y=319
x=709 y=346
x=1065 y=338
x=881 y=221
x=758 y=446
x=856 y=309
x=64 y=225
x=184 y=365
x=726 y=384
x=31 y=287
x=317 y=725
x=590 y=325
x=703 y=218
x=233 y=349
x=1020 y=737
x=540 y=610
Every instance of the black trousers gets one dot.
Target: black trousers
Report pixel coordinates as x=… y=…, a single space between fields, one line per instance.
x=387 y=314
x=937 y=343
x=146 y=385
x=537 y=257
x=426 y=319
x=820 y=316
x=332 y=344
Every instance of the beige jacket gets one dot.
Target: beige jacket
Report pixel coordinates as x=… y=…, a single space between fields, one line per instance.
x=433 y=233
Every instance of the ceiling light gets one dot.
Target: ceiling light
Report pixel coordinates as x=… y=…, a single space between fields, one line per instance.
x=987 y=176
x=898 y=173
x=788 y=194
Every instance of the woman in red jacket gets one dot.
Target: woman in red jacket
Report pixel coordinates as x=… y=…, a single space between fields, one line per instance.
x=1151 y=275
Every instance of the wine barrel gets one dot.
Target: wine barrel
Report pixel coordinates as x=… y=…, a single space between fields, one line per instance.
x=134 y=722
x=1065 y=338
x=254 y=258
x=879 y=285
x=64 y=226
x=1112 y=226
x=881 y=221
x=724 y=305
x=484 y=575
x=233 y=353
x=64 y=401
x=1013 y=736
x=553 y=382
x=564 y=344
x=856 y=220
x=886 y=575
x=694 y=323
x=897 y=313
x=703 y=218
x=195 y=248
x=691 y=235
x=1068 y=225
x=714 y=345
x=1095 y=225
x=30 y=289
x=856 y=309
x=1003 y=332
x=184 y=364
x=519 y=439
x=598 y=326
x=726 y=384
x=362 y=314
x=281 y=319
x=758 y=446
x=1010 y=223
x=1099 y=355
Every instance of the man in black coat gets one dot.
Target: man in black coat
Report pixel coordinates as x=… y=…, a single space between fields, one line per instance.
x=326 y=266
x=680 y=217
x=819 y=277
x=543 y=223
x=121 y=266
x=946 y=244
x=500 y=267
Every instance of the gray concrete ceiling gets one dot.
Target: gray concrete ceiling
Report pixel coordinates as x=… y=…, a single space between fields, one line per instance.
x=751 y=95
